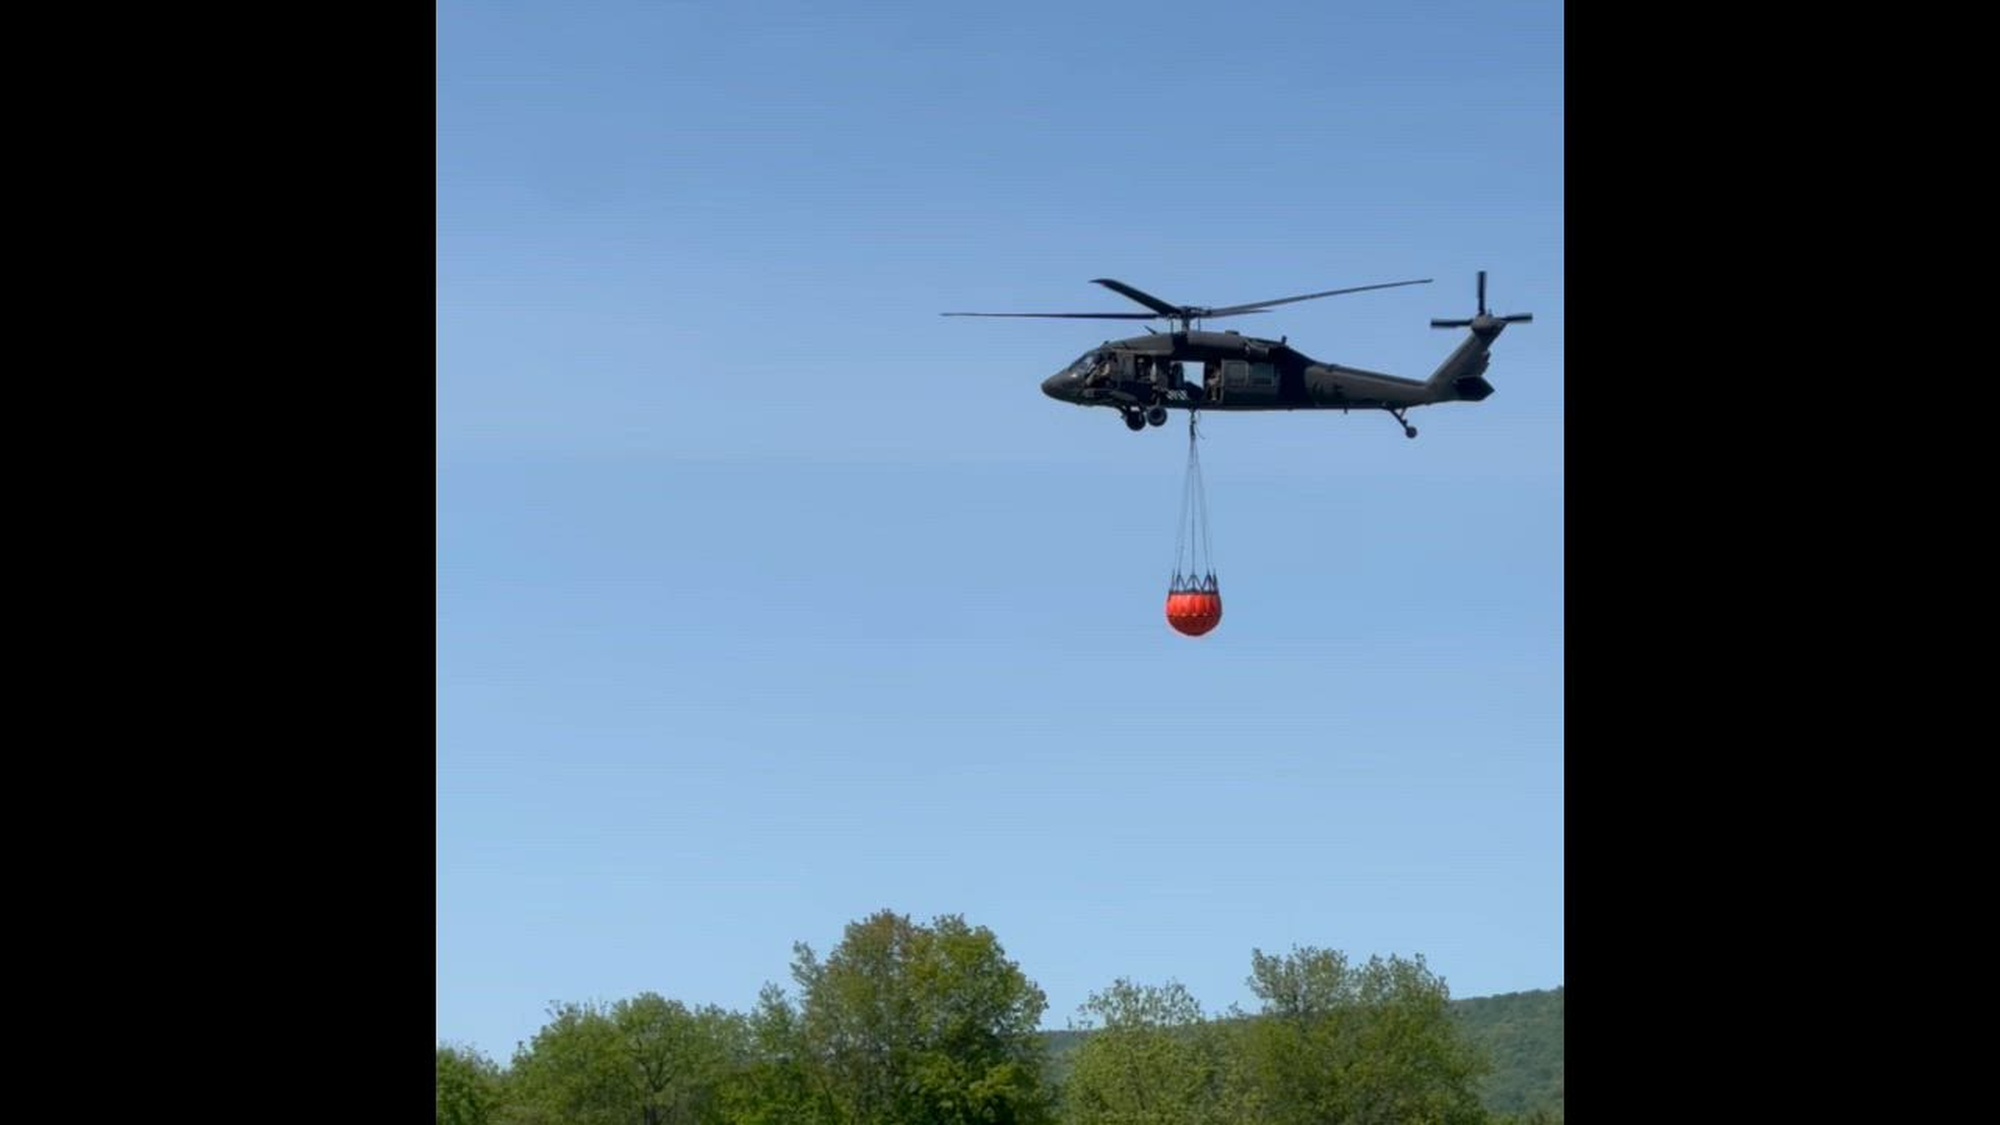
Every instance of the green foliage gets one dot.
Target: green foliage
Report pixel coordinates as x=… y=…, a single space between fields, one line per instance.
x=685 y=1058
x=1368 y=1044
x=774 y=1085
x=1522 y=1032
x=1155 y=1061
x=1532 y=1117
x=469 y=1087
x=644 y=1061
x=909 y=1024
x=905 y=1024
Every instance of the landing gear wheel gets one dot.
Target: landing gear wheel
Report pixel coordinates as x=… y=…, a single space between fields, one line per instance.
x=1135 y=421
x=1156 y=416
x=1409 y=431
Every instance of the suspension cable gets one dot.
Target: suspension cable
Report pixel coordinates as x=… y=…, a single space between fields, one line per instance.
x=1181 y=531
x=1197 y=551
x=1201 y=500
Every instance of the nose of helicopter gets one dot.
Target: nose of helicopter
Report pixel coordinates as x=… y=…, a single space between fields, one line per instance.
x=1056 y=386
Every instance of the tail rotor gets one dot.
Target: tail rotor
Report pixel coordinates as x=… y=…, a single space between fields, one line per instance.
x=1484 y=319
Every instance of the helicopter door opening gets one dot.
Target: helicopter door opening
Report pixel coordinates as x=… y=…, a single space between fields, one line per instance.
x=1243 y=378
x=1159 y=371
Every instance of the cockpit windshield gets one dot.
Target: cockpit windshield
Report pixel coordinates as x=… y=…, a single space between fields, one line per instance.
x=1084 y=364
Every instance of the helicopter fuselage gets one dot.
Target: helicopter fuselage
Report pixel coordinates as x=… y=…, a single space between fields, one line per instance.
x=1244 y=373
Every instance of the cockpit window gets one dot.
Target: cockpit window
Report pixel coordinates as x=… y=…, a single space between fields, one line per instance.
x=1085 y=362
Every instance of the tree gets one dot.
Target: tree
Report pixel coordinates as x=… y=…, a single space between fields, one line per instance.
x=905 y=1024
x=644 y=1061
x=1374 y=1044
x=468 y=1087
x=776 y=1086
x=1153 y=1060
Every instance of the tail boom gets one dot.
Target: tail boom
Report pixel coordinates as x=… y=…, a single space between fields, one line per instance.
x=1460 y=377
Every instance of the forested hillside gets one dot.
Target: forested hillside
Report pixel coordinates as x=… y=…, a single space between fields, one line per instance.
x=1522 y=1032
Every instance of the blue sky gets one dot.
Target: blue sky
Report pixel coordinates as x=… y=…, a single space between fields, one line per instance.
x=768 y=598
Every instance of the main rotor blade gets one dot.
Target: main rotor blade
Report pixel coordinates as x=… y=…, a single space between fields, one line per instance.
x=1139 y=295
x=1254 y=305
x=1068 y=316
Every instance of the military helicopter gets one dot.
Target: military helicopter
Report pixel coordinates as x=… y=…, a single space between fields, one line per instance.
x=1143 y=376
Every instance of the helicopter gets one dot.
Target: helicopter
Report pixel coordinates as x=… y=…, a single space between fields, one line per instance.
x=1142 y=377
